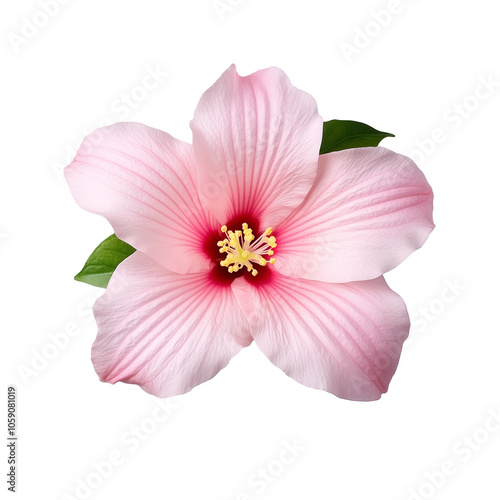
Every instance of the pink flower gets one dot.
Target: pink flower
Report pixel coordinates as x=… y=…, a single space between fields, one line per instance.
x=303 y=277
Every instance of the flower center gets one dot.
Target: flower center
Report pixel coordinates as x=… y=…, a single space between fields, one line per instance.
x=242 y=250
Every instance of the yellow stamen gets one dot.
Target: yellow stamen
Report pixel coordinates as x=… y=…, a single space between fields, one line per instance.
x=243 y=251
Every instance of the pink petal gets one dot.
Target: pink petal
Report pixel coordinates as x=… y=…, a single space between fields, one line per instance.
x=342 y=338
x=164 y=331
x=368 y=209
x=256 y=142
x=144 y=182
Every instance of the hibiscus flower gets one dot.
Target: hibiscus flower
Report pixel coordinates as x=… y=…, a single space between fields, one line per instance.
x=249 y=235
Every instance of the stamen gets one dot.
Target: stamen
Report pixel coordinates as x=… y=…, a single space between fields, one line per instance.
x=242 y=252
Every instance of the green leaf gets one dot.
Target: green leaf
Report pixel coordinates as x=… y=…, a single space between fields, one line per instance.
x=346 y=134
x=103 y=261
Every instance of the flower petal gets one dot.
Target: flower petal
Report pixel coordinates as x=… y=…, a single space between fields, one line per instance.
x=342 y=338
x=144 y=182
x=164 y=331
x=369 y=208
x=256 y=141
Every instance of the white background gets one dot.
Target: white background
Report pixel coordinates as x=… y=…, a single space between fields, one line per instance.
x=418 y=73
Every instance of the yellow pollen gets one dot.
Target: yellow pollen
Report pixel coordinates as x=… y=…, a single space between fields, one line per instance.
x=244 y=250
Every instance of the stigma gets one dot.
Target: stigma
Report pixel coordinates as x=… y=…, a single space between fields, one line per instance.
x=243 y=250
